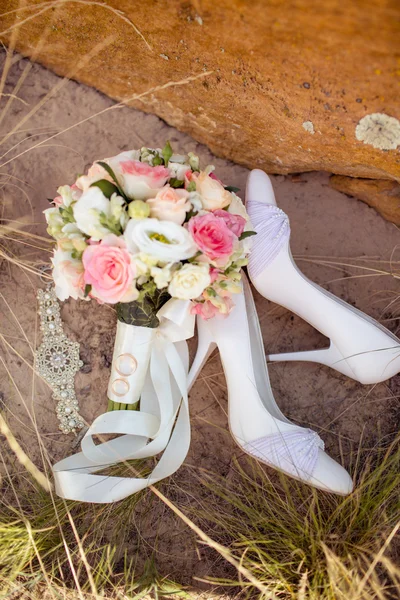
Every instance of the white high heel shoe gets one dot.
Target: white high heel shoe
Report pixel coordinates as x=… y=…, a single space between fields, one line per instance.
x=255 y=421
x=360 y=347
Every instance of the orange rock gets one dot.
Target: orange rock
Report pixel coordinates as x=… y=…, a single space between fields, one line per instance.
x=382 y=195
x=276 y=85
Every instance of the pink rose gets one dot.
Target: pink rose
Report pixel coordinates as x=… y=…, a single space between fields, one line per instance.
x=110 y=271
x=141 y=181
x=213 y=237
x=235 y=223
x=170 y=205
x=205 y=310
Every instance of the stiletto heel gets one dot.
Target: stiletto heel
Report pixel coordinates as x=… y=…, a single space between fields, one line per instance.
x=205 y=347
x=255 y=421
x=360 y=347
x=331 y=357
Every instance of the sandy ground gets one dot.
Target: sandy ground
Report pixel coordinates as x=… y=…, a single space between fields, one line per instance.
x=326 y=226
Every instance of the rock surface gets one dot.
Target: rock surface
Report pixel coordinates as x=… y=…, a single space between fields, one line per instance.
x=382 y=195
x=276 y=85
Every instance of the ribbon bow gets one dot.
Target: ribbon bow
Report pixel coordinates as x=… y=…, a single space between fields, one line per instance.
x=161 y=424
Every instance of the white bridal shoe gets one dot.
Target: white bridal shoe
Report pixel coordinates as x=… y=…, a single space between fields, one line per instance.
x=360 y=347
x=255 y=421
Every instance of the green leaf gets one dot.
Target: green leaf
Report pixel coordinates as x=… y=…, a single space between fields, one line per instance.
x=88 y=289
x=143 y=313
x=167 y=153
x=109 y=170
x=232 y=188
x=176 y=183
x=106 y=187
x=113 y=176
x=247 y=234
x=191 y=187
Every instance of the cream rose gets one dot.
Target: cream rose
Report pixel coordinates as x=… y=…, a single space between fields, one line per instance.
x=189 y=282
x=95 y=173
x=170 y=205
x=87 y=213
x=163 y=240
x=212 y=192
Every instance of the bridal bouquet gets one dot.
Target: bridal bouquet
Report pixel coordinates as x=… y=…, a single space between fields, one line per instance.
x=144 y=227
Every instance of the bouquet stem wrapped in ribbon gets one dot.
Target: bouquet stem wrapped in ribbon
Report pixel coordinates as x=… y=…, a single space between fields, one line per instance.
x=143 y=315
x=163 y=241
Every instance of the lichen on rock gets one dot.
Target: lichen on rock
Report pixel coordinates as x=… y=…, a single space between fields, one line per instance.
x=379 y=130
x=309 y=126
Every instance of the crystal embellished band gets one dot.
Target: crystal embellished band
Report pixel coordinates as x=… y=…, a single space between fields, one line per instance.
x=57 y=361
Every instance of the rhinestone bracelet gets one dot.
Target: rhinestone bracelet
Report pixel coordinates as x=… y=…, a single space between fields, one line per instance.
x=57 y=361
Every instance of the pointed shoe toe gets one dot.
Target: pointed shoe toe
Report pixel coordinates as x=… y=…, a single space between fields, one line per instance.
x=330 y=476
x=259 y=188
x=298 y=452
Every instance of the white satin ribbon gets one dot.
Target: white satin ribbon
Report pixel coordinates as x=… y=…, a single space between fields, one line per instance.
x=162 y=422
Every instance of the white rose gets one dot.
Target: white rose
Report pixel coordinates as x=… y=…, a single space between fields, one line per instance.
x=170 y=205
x=163 y=240
x=213 y=194
x=67 y=275
x=189 y=282
x=87 y=213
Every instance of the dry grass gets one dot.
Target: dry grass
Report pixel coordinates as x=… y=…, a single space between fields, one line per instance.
x=279 y=538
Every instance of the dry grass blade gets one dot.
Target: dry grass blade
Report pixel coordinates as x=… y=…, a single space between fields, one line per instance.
x=46 y=6
x=23 y=458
